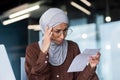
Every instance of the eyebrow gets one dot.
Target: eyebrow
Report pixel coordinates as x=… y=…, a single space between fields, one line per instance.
x=60 y=29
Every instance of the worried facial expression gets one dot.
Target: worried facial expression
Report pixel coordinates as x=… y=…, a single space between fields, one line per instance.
x=59 y=33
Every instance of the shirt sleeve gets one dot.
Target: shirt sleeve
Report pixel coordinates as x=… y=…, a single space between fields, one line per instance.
x=88 y=73
x=36 y=64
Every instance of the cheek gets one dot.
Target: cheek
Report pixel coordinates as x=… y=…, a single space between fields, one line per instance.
x=53 y=37
x=65 y=35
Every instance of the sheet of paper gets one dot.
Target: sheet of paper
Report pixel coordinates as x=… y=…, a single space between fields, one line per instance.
x=81 y=60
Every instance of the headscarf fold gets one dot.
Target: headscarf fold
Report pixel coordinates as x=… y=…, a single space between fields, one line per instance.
x=51 y=18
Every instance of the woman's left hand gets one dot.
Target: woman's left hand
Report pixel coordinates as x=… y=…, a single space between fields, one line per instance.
x=94 y=60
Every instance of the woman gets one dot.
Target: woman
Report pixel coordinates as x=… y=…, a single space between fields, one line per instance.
x=50 y=58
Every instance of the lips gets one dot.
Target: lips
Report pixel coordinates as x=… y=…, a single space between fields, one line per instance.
x=61 y=40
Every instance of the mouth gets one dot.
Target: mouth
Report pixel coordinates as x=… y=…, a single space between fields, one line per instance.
x=61 y=40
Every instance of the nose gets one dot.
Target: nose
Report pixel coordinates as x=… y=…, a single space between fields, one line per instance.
x=62 y=36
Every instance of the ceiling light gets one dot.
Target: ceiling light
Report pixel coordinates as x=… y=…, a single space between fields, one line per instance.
x=118 y=45
x=80 y=8
x=86 y=2
x=9 y=21
x=108 y=19
x=34 y=27
x=24 y=11
x=84 y=36
x=108 y=47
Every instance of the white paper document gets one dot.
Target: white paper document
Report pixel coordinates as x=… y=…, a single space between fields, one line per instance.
x=81 y=60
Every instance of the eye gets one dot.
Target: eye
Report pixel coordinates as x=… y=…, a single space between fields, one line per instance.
x=58 y=31
x=65 y=29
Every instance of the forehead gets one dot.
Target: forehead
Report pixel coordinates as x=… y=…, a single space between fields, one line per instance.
x=61 y=26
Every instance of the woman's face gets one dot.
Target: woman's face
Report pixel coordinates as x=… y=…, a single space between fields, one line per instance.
x=59 y=33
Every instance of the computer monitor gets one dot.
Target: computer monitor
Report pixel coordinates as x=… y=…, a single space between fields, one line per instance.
x=6 y=71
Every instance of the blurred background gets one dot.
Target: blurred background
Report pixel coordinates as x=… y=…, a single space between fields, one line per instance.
x=95 y=24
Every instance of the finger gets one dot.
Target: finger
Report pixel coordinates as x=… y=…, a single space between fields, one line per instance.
x=97 y=56
x=50 y=29
x=94 y=58
x=91 y=59
x=50 y=34
x=47 y=28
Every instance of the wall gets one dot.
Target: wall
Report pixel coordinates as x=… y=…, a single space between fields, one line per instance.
x=14 y=37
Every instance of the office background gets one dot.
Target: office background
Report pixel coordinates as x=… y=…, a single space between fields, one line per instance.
x=89 y=31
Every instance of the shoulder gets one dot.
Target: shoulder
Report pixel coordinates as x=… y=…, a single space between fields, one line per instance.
x=33 y=46
x=72 y=43
x=73 y=46
x=32 y=49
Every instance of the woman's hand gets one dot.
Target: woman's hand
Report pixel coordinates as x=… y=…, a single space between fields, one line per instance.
x=94 y=60
x=46 y=39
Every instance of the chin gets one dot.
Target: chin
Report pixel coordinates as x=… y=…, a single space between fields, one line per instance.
x=58 y=43
x=61 y=42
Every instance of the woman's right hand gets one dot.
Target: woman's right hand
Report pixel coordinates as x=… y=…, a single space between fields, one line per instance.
x=46 y=39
